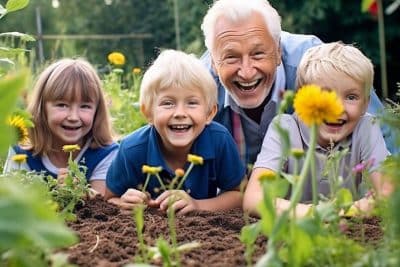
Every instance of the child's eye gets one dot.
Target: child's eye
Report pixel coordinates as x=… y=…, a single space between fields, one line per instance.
x=167 y=104
x=87 y=106
x=193 y=102
x=61 y=105
x=352 y=97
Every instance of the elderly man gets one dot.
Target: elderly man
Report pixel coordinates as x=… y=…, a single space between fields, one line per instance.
x=252 y=61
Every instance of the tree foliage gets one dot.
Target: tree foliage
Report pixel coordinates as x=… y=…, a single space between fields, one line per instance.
x=330 y=20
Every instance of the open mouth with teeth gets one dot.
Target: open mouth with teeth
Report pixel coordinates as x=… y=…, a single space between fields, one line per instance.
x=338 y=123
x=69 y=128
x=247 y=86
x=180 y=127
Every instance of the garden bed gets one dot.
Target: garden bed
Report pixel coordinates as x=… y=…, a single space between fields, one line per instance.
x=108 y=235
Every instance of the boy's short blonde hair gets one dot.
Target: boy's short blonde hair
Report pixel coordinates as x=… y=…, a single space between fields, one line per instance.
x=176 y=69
x=326 y=59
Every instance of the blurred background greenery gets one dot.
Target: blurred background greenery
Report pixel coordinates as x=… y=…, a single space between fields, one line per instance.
x=139 y=28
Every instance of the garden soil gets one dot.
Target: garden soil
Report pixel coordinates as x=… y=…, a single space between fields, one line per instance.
x=108 y=236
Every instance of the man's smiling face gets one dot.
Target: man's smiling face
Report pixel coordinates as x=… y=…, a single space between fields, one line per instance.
x=245 y=57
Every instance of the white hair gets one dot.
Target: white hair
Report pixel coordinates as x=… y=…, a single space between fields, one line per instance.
x=239 y=10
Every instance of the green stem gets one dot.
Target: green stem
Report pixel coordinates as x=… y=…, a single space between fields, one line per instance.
x=313 y=175
x=295 y=197
x=172 y=231
x=308 y=161
x=161 y=182
x=146 y=182
x=185 y=176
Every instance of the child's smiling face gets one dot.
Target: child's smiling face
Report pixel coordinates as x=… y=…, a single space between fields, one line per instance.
x=180 y=115
x=355 y=103
x=70 y=121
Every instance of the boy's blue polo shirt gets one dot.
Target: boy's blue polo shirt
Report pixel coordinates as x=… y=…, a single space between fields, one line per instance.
x=222 y=167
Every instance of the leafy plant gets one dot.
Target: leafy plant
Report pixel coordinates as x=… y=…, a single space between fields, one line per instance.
x=170 y=253
x=30 y=227
x=123 y=100
x=314 y=239
x=72 y=191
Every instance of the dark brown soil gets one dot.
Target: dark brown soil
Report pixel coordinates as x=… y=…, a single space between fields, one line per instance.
x=218 y=234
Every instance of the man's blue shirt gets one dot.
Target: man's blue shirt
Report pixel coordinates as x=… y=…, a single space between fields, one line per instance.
x=293 y=46
x=222 y=168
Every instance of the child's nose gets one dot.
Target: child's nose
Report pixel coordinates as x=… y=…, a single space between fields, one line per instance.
x=73 y=114
x=180 y=111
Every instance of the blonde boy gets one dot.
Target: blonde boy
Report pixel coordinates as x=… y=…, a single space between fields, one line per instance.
x=178 y=96
x=344 y=69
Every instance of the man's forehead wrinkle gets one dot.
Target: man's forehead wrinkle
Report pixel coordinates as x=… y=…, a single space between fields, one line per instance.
x=240 y=33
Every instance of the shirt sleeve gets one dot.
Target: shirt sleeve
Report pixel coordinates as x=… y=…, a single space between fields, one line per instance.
x=121 y=174
x=100 y=172
x=271 y=153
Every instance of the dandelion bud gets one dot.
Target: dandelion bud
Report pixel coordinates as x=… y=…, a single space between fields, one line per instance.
x=179 y=172
x=298 y=153
x=19 y=158
x=267 y=175
x=287 y=100
x=71 y=148
x=151 y=170
x=196 y=160
x=136 y=71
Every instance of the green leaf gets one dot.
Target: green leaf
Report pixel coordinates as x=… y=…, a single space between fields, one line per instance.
x=327 y=211
x=14 y=5
x=249 y=233
x=344 y=198
x=28 y=220
x=10 y=87
x=301 y=247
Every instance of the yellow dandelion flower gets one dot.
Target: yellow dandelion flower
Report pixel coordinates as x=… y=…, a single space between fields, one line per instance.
x=315 y=106
x=179 y=172
x=71 y=148
x=19 y=158
x=18 y=122
x=116 y=58
x=136 y=71
x=151 y=170
x=267 y=175
x=196 y=160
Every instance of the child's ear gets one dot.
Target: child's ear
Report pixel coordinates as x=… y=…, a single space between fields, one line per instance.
x=212 y=114
x=146 y=113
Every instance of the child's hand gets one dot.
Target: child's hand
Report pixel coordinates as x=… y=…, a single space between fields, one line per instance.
x=62 y=174
x=302 y=210
x=92 y=193
x=365 y=205
x=130 y=199
x=182 y=203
